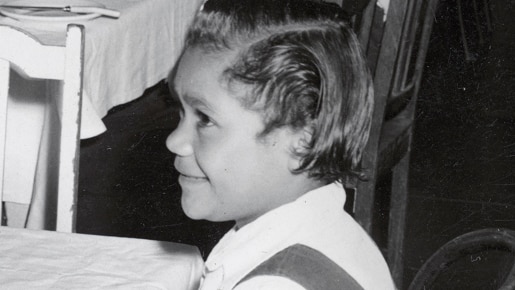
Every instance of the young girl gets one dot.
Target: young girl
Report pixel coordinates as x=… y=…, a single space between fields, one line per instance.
x=276 y=106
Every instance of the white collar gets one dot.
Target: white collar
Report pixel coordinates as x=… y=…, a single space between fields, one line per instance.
x=277 y=229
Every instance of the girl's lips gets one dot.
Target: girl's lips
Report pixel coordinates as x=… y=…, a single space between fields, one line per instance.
x=191 y=179
x=184 y=173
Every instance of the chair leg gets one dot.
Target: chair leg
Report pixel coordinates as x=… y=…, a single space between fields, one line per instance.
x=398 y=205
x=478 y=23
x=468 y=55
x=4 y=90
x=365 y=196
x=486 y=8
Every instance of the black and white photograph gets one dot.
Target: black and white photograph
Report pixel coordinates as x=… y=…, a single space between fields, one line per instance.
x=257 y=144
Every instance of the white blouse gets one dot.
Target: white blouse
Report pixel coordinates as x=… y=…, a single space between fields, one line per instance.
x=317 y=220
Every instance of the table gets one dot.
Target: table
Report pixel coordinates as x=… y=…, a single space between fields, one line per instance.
x=123 y=57
x=34 y=259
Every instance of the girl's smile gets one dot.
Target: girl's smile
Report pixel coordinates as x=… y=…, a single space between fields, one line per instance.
x=186 y=179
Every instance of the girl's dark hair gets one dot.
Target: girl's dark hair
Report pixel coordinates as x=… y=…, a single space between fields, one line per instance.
x=306 y=72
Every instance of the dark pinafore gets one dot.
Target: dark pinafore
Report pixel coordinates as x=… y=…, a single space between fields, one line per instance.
x=307 y=267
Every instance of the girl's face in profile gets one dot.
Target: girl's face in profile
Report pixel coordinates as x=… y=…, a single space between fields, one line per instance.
x=226 y=172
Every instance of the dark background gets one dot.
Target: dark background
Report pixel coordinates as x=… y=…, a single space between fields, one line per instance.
x=462 y=166
x=462 y=172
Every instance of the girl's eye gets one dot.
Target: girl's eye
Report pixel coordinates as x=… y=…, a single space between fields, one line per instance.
x=203 y=119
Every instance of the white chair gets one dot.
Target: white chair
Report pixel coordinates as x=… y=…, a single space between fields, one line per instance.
x=23 y=53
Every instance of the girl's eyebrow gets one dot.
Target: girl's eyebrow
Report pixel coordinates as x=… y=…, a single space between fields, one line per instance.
x=197 y=102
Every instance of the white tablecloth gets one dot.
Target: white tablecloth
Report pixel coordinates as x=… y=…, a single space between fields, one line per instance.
x=50 y=260
x=123 y=57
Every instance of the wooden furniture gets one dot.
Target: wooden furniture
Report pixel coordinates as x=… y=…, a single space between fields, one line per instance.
x=479 y=17
x=395 y=45
x=34 y=259
x=53 y=63
x=463 y=247
x=122 y=58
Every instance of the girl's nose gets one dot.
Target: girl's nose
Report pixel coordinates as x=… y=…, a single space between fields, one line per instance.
x=179 y=142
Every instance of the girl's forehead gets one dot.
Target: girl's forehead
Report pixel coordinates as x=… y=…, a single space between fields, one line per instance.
x=197 y=64
x=194 y=62
x=222 y=59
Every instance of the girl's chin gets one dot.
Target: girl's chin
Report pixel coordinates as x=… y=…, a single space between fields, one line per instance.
x=192 y=212
x=195 y=203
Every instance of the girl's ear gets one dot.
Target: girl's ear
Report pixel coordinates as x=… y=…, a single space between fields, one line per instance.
x=301 y=141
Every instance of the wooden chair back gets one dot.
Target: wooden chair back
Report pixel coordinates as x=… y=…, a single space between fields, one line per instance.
x=395 y=45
